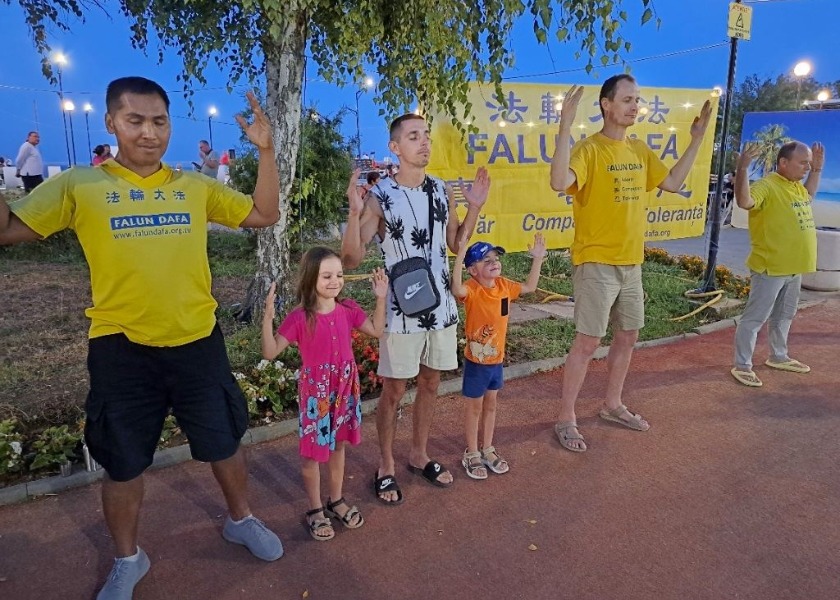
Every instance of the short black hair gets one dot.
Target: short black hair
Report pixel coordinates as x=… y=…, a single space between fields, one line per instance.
x=396 y=124
x=372 y=177
x=787 y=150
x=608 y=89
x=132 y=85
x=99 y=150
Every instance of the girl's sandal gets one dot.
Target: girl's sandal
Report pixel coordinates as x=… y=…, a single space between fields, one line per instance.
x=320 y=529
x=352 y=519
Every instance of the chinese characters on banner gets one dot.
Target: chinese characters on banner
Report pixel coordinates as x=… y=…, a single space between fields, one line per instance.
x=516 y=141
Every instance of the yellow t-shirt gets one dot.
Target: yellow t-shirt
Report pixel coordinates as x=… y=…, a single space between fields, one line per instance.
x=488 y=311
x=145 y=240
x=782 y=233
x=609 y=207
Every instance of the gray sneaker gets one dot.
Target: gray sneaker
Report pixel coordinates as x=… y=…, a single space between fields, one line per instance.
x=254 y=535
x=123 y=577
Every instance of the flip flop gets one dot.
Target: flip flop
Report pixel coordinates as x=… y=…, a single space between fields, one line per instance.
x=622 y=416
x=747 y=378
x=567 y=431
x=789 y=365
x=431 y=473
x=386 y=483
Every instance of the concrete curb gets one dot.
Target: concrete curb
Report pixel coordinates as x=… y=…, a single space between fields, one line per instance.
x=172 y=456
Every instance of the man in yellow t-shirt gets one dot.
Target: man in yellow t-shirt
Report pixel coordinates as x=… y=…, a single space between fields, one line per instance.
x=608 y=173
x=783 y=244
x=154 y=341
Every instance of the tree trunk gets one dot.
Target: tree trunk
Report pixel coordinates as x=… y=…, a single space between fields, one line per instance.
x=284 y=65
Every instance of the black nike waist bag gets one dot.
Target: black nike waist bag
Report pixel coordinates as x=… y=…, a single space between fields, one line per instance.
x=414 y=287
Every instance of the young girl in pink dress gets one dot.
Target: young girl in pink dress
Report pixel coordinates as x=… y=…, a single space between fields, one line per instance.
x=328 y=387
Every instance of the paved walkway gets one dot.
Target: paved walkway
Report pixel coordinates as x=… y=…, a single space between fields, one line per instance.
x=733 y=248
x=732 y=494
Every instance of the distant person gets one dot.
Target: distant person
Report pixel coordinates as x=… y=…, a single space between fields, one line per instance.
x=29 y=166
x=371 y=180
x=487 y=298
x=783 y=246
x=154 y=342
x=99 y=155
x=208 y=160
x=329 y=393
x=608 y=174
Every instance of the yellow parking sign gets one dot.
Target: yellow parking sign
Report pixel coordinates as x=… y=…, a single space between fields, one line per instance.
x=740 y=21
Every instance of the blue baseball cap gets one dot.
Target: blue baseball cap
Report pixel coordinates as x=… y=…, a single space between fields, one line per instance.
x=479 y=250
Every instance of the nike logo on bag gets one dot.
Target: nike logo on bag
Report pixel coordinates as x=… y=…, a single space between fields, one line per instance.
x=412 y=290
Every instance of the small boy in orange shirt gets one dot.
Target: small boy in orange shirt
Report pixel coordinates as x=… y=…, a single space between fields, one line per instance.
x=487 y=297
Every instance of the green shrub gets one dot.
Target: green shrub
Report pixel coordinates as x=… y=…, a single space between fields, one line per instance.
x=11 y=447
x=54 y=447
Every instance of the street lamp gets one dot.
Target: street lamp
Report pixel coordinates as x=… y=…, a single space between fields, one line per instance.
x=60 y=60
x=823 y=95
x=69 y=107
x=211 y=113
x=88 y=107
x=800 y=70
x=366 y=85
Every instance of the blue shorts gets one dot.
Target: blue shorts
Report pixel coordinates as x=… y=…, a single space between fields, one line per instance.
x=480 y=378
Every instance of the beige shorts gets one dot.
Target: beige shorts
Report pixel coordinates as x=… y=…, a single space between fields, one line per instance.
x=401 y=354
x=607 y=294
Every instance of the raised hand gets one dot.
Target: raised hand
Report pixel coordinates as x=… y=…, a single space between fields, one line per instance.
x=817 y=156
x=354 y=199
x=259 y=132
x=379 y=283
x=748 y=154
x=538 y=250
x=569 y=105
x=270 y=300
x=476 y=194
x=701 y=122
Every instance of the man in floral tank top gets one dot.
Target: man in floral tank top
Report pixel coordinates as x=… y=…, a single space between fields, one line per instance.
x=397 y=212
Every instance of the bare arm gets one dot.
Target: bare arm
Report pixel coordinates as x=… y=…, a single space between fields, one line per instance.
x=538 y=253
x=376 y=327
x=676 y=177
x=211 y=162
x=272 y=343
x=12 y=229
x=266 y=196
x=476 y=197
x=362 y=224
x=817 y=164
x=742 y=177
x=562 y=177
x=459 y=290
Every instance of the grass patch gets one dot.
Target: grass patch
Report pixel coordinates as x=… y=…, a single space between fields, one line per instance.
x=232 y=254
x=61 y=248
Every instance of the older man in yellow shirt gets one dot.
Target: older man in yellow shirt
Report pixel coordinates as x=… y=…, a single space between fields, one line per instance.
x=783 y=246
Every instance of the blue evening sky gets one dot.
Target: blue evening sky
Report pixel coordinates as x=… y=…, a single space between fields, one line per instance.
x=689 y=50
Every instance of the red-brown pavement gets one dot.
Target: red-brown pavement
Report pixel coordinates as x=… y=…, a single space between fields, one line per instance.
x=733 y=493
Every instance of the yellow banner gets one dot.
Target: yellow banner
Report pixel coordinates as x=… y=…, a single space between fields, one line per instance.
x=516 y=144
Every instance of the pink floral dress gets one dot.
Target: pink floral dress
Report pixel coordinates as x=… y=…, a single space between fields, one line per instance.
x=328 y=387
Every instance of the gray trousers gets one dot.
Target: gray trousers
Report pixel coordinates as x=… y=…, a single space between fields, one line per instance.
x=773 y=298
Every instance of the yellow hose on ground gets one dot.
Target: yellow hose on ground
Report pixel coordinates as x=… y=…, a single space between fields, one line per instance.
x=715 y=296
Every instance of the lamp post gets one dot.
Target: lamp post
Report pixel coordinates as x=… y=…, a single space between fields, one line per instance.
x=211 y=113
x=69 y=107
x=366 y=85
x=800 y=70
x=88 y=107
x=60 y=60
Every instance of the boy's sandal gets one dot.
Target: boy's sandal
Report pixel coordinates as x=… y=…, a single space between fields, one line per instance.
x=567 y=432
x=473 y=465
x=498 y=465
x=623 y=416
x=352 y=519
x=320 y=529
x=747 y=378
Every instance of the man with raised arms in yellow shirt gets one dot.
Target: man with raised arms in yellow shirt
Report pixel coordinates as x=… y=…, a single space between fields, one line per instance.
x=608 y=173
x=783 y=244
x=154 y=341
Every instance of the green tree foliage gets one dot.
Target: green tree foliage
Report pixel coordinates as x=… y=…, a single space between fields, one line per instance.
x=428 y=50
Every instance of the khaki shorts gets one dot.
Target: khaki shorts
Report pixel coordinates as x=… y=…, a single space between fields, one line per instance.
x=607 y=294
x=401 y=354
